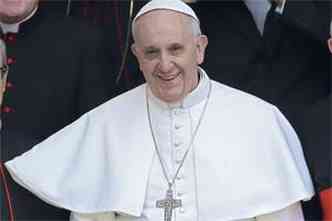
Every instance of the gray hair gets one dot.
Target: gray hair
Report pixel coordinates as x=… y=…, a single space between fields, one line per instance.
x=331 y=28
x=3 y=53
x=196 y=29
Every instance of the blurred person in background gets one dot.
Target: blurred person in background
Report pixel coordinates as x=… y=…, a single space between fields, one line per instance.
x=277 y=51
x=60 y=68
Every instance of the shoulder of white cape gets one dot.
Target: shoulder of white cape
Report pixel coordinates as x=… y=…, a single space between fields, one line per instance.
x=92 y=164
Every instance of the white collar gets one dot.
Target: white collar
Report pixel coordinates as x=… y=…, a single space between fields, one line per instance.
x=15 y=27
x=193 y=98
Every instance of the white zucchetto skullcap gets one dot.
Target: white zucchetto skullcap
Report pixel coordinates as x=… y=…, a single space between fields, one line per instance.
x=175 y=5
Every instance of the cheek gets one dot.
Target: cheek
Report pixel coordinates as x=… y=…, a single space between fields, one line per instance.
x=147 y=67
x=147 y=71
x=146 y=76
x=199 y=56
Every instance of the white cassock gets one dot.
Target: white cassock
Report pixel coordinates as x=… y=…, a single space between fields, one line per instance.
x=246 y=162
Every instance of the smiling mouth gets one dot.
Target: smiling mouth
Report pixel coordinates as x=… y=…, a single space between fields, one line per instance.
x=168 y=78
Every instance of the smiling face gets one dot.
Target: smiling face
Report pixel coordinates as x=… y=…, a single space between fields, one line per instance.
x=168 y=53
x=13 y=11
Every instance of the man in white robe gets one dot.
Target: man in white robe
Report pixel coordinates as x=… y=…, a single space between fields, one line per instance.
x=180 y=147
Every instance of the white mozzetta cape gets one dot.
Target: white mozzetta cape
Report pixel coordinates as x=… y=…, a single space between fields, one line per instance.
x=249 y=159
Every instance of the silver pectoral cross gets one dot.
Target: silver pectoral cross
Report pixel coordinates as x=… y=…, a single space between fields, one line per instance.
x=168 y=204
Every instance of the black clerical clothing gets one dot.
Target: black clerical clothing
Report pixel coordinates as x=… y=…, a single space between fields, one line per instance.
x=317 y=133
x=59 y=69
x=286 y=66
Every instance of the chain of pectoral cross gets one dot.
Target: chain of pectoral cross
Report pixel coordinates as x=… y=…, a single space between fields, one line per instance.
x=169 y=203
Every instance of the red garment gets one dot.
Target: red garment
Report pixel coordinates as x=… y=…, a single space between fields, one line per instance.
x=326 y=202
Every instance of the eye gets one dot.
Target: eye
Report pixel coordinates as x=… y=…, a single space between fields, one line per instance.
x=176 y=49
x=151 y=53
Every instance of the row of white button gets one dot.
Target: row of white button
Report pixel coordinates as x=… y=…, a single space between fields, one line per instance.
x=179 y=155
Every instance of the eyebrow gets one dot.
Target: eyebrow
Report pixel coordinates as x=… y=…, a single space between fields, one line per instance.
x=176 y=45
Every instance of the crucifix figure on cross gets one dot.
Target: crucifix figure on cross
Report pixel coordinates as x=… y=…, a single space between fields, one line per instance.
x=168 y=204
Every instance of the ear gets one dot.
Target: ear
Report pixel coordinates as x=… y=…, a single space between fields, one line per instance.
x=201 y=44
x=329 y=42
x=134 y=49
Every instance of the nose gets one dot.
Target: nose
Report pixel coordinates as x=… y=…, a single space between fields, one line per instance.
x=166 y=63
